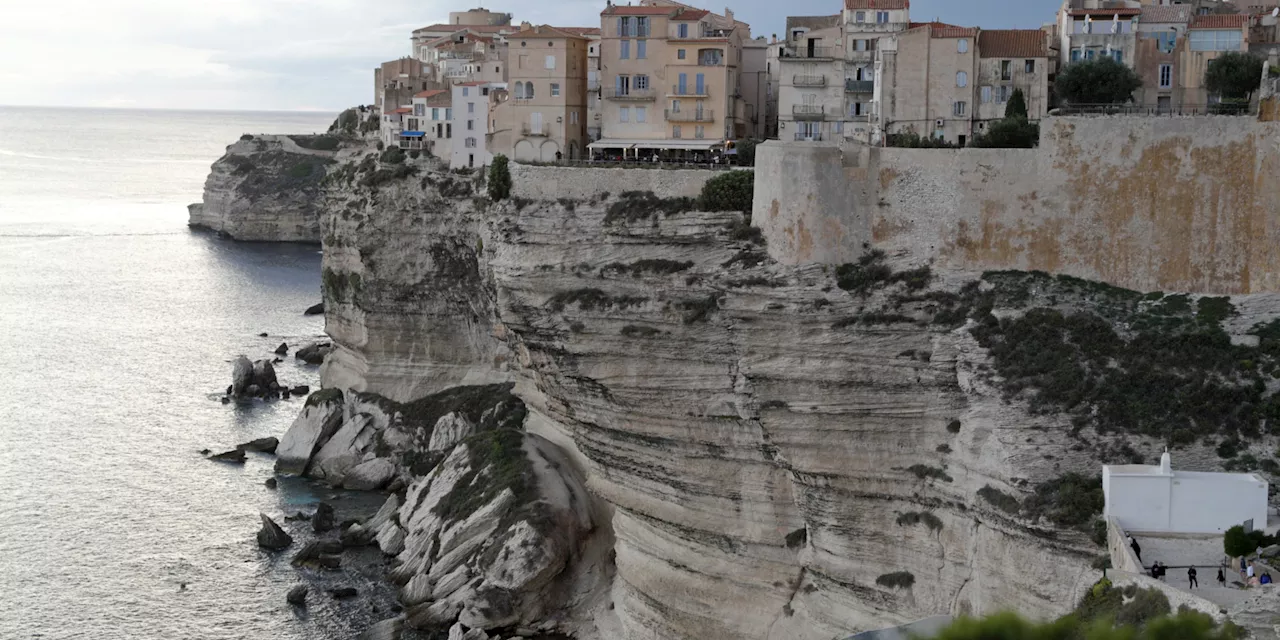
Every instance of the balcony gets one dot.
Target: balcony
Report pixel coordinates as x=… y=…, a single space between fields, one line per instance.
x=859 y=86
x=593 y=85
x=692 y=115
x=808 y=111
x=533 y=131
x=689 y=92
x=861 y=56
x=875 y=27
x=808 y=137
x=810 y=53
x=703 y=34
x=629 y=95
x=808 y=81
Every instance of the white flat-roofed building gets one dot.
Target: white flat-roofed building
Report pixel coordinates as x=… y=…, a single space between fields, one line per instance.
x=1156 y=499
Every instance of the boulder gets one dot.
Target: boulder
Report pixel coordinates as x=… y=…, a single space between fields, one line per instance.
x=314 y=310
x=458 y=632
x=271 y=536
x=264 y=445
x=388 y=629
x=262 y=335
x=300 y=390
x=370 y=476
x=241 y=376
x=322 y=520
x=271 y=483
x=343 y=592
x=449 y=430
x=319 y=420
x=355 y=536
x=324 y=554
x=282 y=349
x=314 y=353
x=297 y=595
x=234 y=455
x=264 y=375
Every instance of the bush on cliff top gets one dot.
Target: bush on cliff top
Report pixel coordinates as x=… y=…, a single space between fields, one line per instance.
x=729 y=191
x=317 y=143
x=1097 y=81
x=499 y=184
x=1234 y=75
x=393 y=155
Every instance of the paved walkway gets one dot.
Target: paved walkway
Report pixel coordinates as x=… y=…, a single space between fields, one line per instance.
x=1205 y=554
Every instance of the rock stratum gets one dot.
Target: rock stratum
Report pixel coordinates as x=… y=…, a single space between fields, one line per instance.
x=618 y=417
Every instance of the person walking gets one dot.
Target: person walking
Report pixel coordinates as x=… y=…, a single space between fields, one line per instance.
x=1222 y=579
x=1191 y=578
x=1137 y=550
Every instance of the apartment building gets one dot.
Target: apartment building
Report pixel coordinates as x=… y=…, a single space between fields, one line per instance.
x=1010 y=60
x=811 y=79
x=669 y=76
x=472 y=124
x=1161 y=42
x=871 y=28
x=754 y=86
x=1089 y=29
x=931 y=89
x=430 y=125
x=545 y=117
x=394 y=82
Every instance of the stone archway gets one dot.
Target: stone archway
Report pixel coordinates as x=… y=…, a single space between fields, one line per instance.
x=525 y=151
x=547 y=153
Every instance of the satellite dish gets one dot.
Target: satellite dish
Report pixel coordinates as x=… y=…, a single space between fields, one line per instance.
x=1275 y=12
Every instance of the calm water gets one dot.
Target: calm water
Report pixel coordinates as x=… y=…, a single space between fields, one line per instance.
x=117 y=326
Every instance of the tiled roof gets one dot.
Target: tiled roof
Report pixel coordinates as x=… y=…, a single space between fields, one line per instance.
x=1238 y=21
x=877 y=4
x=479 y=28
x=1131 y=11
x=1012 y=43
x=941 y=30
x=428 y=93
x=690 y=15
x=400 y=110
x=543 y=31
x=812 y=22
x=616 y=10
x=1172 y=13
x=582 y=31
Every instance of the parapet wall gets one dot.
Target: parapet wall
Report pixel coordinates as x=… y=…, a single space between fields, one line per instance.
x=1184 y=204
x=585 y=183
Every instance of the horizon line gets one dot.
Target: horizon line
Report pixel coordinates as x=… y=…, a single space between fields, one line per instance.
x=140 y=108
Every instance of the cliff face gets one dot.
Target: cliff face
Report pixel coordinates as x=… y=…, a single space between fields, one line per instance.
x=785 y=451
x=266 y=188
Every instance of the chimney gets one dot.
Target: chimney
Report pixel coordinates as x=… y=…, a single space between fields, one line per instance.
x=525 y=25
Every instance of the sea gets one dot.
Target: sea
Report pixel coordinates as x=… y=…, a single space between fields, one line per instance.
x=118 y=325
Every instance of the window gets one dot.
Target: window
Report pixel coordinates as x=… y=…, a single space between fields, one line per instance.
x=1075 y=55
x=709 y=57
x=682 y=31
x=699 y=132
x=465 y=90
x=624 y=27
x=573 y=117
x=551 y=62
x=962 y=79
x=1005 y=93
x=1166 y=76
x=680 y=52
x=1029 y=66
x=497 y=70
x=448 y=130
x=528 y=89
x=675 y=106
x=860 y=16
x=986 y=95
x=1215 y=40
x=958 y=108
x=448 y=113
x=518 y=91
x=962 y=45
x=642 y=27
x=622 y=85
x=555 y=89
x=1167 y=41
x=419 y=109
x=435 y=114
x=882 y=17
x=471 y=107
x=860 y=45
x=624 y=49
x=1006 y=69
x=641 y=49
x=470 y=143
x=1118 y=56
x=640 y=114
x=1089 y=54
x=624 y=114
x=675 y=131
x=641 y=82
x=471 y=125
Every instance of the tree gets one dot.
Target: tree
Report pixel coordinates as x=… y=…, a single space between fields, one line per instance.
x=1098 y=81
x=747 y=152
x=499 y=183
x=1233 y=75
x=1017 y=107
x=729 y=191
x=1014 y=132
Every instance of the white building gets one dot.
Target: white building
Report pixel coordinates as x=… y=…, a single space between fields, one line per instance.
x=472 y=122
x=1157 y=499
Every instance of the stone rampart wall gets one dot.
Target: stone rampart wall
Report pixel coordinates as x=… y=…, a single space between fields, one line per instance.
x=1188 y=204
x=585 y=183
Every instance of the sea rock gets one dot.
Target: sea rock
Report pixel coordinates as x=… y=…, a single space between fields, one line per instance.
x=322 y=520
x=264 y=375
x=389 y=629
x=391 y=539
x=271 y=483
x=314 y=310
x=263 y=445
x=234 y=455
x=300 y=390
x=282 y=349
x=314 y=353
x=449 y=430
x=341 y=593
x=369 y=476
x=271 y=536
x=262 y=335
x=355 y=535
x=319 y=420
x=297 y=596
x=324 y=554
x=241 y=376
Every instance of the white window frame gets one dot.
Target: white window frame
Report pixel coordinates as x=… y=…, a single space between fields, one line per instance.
x=959 y=108
x=1166 y=76
x=641 y=112
x=962 y=79
x=624 y=114
x=555 y=89
x=962 y=45
x=551 y=61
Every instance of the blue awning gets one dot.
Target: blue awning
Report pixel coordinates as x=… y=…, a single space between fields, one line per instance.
x=412 y=134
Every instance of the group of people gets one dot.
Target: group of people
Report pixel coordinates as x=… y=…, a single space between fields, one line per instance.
x=1158 y=570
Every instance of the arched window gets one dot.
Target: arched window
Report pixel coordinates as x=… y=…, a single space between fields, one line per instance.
x=519 y=90
x=962 y=79
x=528 y=90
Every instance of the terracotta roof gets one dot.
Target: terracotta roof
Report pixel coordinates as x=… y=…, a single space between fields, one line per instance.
x=1132 y=11
x=582 y=31
x=1012 y=43
x=616 y=10
x=400 y=110
x=1171 y=13
x=479 y=28
x=428 y=93
x=474 y=83
x=877 y=4
x=544 y=31
x=1238 y=21
x=943 y=30
x=691 y=15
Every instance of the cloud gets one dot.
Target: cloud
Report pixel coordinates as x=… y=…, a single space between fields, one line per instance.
x=295 y=54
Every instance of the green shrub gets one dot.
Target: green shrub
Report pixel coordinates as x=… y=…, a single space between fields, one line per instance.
x=913 y=140
x=639 y=205
x=910 y=518
x=1009 y=133
x=1097 y=81
x=747 y=151
x=324 y=395
x=924 y=471
x=301 y=169
x=317 y=143
x=1070 y=500
x=896 y=580
x=499 y=183
x=1000 y=499
x=1236 y=543
x=1017 y=106
x=247 y=136
x=1234 y=75
x=651 y=265
x=393 y=155
x=589 y=299
x=729 y=191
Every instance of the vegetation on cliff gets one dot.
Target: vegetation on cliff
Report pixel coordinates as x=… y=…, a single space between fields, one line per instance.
x=499 y=183
x=1097 y=81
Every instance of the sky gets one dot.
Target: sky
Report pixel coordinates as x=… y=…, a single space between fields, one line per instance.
x=301 y=54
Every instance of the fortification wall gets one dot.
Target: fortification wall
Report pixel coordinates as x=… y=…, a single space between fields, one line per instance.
x=1185 y=204
x=584 y=183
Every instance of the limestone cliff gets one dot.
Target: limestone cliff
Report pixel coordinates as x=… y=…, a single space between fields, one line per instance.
x=266 y=188
x=785 y=451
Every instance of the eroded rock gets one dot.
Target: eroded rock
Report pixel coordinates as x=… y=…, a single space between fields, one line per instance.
x=319 y=420
x=322 y=520
x=314 y=353
x=369 y=476
x=234 y=456
x=271 y=536
x=263 y=445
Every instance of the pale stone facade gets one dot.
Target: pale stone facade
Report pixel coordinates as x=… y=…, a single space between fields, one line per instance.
x=472 y=124
x=1009 y=60
x=546 y=116
x=811 y=70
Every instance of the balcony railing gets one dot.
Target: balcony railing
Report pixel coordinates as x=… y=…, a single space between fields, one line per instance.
x=808 y=137
x=633 y=95
x=702 y=34
x=810 y=52
x=861 y=56
x=692 y=115
x=808 y=111
x=859 y=86
x=530 y=130
x=808 y=81
x=592 y=85
x=687 y=91
x=875 y=27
